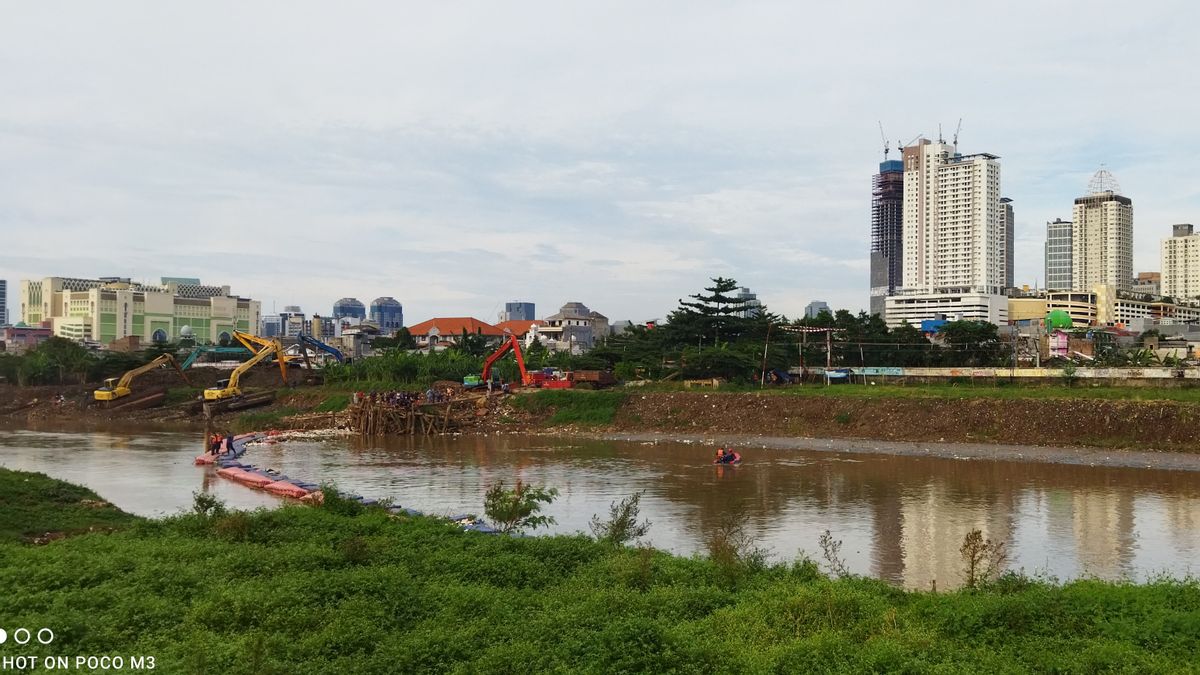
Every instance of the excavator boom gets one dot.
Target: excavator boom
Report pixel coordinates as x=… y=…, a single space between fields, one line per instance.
x=122 y=387
x=232 y=389
x=511 y=343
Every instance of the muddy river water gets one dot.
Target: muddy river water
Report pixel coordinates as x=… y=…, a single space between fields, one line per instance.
x=901 y=518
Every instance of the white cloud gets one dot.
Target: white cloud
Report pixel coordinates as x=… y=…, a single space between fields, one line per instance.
x=460 y=155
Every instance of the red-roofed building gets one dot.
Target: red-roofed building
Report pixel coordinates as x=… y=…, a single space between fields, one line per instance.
x=518 y=327
x=443 y=332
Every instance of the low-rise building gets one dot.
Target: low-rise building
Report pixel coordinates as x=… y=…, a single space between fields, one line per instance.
x=110 y=308
x=1104 y=305
x=21 y=338
x=913 y=308
x=442 y=332
x=575 y=328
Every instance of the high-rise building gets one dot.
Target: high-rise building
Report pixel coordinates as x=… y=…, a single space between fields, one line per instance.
x=1181 y=263
x=887 y=232
x=388 y=313
x=751 y=306
x=292 y=321
x=272 y=326
x=1102 y=236
x=1058 y=255
x=518 y=311
x=3 y=302
x=953 y=234
x=1006 y=216
x=349 y=308
x=812 y=309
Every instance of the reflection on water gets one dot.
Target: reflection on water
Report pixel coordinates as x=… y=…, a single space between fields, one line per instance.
x=900 y=518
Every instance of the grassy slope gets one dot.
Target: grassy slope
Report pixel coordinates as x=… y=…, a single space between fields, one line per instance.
x=589 y=408
x=958 y=391
x=33 y=504
x=308 y=590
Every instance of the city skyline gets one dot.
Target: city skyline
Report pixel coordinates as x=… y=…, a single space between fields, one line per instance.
x=544 y=164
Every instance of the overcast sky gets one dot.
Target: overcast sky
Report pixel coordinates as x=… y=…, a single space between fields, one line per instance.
x=457 y=155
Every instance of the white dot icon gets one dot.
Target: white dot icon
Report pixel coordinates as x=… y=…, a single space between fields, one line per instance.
x=3 y=636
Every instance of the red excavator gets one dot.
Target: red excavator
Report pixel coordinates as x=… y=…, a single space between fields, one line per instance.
x=510 y=343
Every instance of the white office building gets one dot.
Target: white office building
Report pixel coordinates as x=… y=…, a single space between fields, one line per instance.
x=954 y=237
x=1181 y=264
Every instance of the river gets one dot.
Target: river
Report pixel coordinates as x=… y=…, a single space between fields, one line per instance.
x=901 y=518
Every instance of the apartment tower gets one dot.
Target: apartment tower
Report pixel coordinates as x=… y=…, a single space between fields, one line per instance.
x=1058 y=255
x=1102 y=236
x=953 y=237
x=1181 y=264
x=1006 y=216
x=887 y=227
x=3 y=302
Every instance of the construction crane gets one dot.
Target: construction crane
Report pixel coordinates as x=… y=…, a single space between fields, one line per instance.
x=885 y=140
x=510 y=344
x=115 y=388
x=956 y=130
x=230 y=388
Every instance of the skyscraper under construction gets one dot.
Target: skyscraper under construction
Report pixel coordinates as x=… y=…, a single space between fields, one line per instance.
x=887 y=232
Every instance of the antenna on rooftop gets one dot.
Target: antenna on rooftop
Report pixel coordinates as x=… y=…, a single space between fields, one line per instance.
x=1103 y=181
x=885 y=141
x=940 y=138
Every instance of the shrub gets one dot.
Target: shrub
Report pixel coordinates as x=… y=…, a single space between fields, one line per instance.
x=518 y=508
x=207 y=505
x=622 y=526
x=983 y=559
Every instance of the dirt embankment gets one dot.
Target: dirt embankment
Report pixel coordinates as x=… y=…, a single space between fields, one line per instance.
x=41 y=404
x=1161 y=425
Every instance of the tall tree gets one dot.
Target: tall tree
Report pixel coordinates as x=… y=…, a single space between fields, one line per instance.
x=714 y=315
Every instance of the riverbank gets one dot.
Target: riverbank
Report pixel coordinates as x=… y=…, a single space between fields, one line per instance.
x=1098 y=417
x=323 y=590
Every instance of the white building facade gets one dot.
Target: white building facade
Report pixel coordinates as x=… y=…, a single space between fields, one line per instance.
x=954 y=237
x=1181 y=264
x=1102 y=237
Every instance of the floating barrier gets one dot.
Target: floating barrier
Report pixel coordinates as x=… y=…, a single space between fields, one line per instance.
x=230 y=467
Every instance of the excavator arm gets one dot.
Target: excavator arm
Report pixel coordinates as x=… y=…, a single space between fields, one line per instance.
x=231 y=388
x=510 y=344
x=121 y=388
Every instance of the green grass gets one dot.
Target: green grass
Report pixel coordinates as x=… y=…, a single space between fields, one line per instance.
x=983 y=389
x=334 y=403
x=176 y=395
x=33 y=504
x=259 y=421
x=299 y=589
x=588 y=408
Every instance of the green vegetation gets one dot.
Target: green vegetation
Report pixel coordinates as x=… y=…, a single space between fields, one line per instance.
x=33 y=505
x=591 y=408
x=62 y=361
x=257 y=421
x=334 y=403
x=301 y=589
x=519 y=508
x=177 y=395
x=985 y=390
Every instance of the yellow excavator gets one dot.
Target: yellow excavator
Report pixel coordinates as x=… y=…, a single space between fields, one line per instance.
x=229 y=388
x=115 y=388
